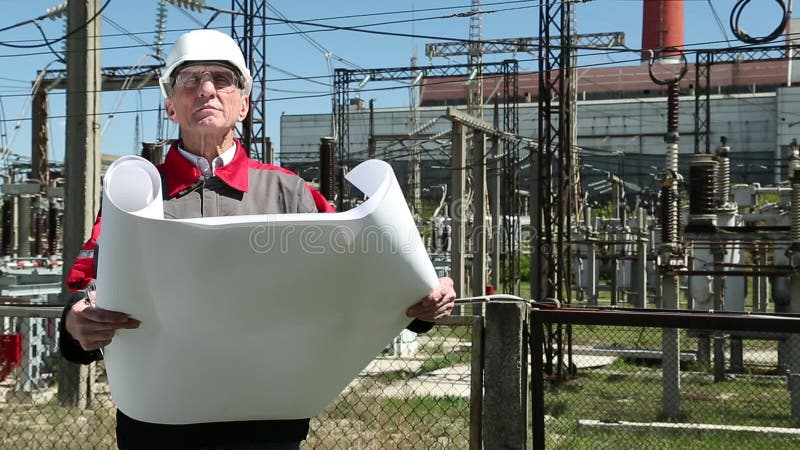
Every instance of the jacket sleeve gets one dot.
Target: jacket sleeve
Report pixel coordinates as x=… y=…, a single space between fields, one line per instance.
x=69 y=348
x=84 y=268
x=82 y=272
x=419 y=326
x=322 y=203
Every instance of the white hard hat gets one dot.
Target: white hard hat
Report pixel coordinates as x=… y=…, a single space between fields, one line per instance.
x=205 y=45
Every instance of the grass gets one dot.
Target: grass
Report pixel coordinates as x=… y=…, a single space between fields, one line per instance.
x=626 y=391
x=450 y=359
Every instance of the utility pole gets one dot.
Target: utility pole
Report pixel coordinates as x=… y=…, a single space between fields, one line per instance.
x=81 y=161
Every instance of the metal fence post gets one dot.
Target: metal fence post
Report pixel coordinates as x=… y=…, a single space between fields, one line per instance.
x=505 y=405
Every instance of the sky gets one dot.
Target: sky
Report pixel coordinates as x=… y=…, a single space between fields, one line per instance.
x=300 y=64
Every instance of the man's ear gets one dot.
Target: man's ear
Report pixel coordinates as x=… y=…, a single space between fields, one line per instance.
x=170 y=109
x=245 y=108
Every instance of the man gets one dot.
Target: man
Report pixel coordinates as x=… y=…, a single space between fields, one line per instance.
x=206 y=85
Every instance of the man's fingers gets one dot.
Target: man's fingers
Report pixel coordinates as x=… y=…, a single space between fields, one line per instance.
x=131 y=323
x=415 y=310
x=105 y=316
x=443 y=310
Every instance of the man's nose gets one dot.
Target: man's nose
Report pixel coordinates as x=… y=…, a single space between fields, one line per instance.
x=206 y=86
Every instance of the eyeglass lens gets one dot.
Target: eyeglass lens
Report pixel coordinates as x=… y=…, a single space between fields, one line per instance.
x=221 y=78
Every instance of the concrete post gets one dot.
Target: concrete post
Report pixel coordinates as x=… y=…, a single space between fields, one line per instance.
x=458 y=221
x=670 y=356
x=614 y=274
x=82 y=161
x=479 y=235
x=495 y=188
x=497 y=229
x=505 y=374
x=719 y=305
x=792 y=349
x=591 y=258
x=641 y=261
x=591 y=272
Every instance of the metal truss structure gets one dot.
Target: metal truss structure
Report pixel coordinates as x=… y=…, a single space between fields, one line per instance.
x=249 y=31
x=702 y=97
x=524 y=44
x=345 y=78
x=509 y=70
x=550 y=180
x=113 y=78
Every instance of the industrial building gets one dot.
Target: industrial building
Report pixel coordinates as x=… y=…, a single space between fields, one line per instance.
x=620 y=123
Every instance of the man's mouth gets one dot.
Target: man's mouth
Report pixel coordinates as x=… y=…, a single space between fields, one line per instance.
x=207 y=107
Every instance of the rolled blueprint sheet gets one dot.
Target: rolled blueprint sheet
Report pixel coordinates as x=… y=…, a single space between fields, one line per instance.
x=251 y=317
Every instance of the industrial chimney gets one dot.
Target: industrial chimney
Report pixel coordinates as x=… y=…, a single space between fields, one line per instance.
x=662 y=26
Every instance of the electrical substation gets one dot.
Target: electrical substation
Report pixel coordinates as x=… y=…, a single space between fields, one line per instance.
x=669 y=185
x=691 y=155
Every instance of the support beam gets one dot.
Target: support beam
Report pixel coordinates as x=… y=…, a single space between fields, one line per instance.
x=458 y=185
x=479 y=230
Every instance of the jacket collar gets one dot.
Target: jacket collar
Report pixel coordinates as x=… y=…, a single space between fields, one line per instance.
x=182 y=174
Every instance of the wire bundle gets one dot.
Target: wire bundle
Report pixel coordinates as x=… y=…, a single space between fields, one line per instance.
x=736 y=14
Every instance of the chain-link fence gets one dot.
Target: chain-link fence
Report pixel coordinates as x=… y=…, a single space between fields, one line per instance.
x=727 y=389
x=31 y=411
x=419 y=393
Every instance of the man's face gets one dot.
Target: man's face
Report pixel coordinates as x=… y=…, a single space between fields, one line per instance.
x=206 y=99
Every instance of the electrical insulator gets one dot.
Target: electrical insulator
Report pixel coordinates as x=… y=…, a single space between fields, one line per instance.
x=794 y=159
x=194 y=5
x=327 y=167
x=673 y=106
x=7 y=236
x=669 y=209
x=701 y=184
x=53 y=225
x=161 y=23
x=39 y=231
x=57 y=11
x=723 y=175
x=672 y=157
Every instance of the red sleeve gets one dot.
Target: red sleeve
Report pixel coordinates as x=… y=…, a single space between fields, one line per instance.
x=322 y=203
x=84 y=268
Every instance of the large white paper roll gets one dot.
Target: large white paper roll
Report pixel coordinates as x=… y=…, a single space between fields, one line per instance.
x=251 y=317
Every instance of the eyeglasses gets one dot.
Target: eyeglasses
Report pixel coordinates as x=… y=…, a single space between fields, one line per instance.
x=224 y=80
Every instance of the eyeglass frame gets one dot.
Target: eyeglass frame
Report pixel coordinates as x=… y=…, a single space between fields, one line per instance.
x=238 y=80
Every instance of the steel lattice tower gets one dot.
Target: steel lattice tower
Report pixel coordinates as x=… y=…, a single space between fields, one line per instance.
x=551 y=183
x=249 y=30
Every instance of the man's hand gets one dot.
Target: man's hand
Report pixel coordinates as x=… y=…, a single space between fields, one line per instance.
x=94 y=327
x=439 y=303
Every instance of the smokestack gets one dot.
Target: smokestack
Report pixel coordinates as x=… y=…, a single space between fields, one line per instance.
x=662 y=26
